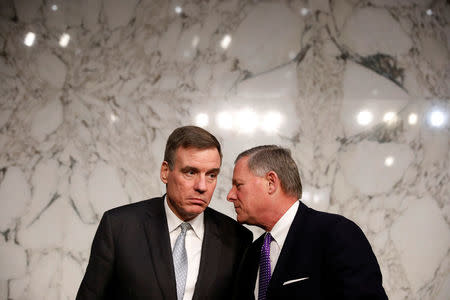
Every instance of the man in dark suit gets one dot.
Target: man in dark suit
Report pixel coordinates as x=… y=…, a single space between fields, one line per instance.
x=172 y=247
x=304 y=254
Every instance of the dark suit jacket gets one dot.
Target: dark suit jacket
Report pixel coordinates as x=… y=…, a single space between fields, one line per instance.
x=330 y=250
x=131 y=256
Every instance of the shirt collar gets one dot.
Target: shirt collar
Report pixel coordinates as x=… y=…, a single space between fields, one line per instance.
x=281 y=228
x=173 y=221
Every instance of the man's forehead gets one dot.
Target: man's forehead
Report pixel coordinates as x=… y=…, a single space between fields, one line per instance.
x=192 y=149
x=241 y=168
x=191 y=155
x=241 y=164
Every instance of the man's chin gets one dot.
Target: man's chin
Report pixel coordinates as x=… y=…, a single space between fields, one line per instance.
x=194 y=211
x=242 y=220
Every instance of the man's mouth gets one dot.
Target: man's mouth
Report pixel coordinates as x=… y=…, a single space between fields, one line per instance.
x=197 y=200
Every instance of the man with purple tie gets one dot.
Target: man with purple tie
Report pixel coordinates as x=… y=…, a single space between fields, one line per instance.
x=304 y=254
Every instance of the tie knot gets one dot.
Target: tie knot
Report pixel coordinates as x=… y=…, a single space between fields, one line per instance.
x=268 y=238
x=185 y=226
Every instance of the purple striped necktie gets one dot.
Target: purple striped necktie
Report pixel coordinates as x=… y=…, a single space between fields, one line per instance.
x=264 y=267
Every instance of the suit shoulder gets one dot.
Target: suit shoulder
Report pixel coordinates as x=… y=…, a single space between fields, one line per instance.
x=228 y=222
x=133 y=209
x=330 y=219
x=221 y=218
x=337 y=228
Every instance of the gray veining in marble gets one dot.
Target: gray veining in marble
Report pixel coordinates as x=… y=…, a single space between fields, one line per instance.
x=349 y=86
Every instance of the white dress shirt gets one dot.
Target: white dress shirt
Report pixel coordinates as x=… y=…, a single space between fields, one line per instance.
x=194 y=239
x=279 y=233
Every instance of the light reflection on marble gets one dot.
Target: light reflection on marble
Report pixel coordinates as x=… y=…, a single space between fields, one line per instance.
x=84 y=120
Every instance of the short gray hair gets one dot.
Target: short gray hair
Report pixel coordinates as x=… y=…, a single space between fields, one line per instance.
x=266 y=158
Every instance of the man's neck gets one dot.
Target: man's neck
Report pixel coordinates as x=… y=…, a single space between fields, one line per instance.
x=277 y=212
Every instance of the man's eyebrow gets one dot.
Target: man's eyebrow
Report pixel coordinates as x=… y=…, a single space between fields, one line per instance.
x=189 y=168
x=215 y=170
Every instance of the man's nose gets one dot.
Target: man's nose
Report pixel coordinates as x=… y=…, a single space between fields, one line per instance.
x=231 y=195
x=200 y=184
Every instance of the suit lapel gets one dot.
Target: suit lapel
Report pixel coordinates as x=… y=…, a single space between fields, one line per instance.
x=210 y=257
x=251 y=266
x=157 y=233
x=287 y=256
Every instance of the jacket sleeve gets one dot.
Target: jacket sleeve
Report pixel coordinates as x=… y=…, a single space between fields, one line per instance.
x=100 y=267
x=353 y=263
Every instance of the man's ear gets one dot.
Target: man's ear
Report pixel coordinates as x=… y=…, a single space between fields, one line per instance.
x=273 y=182
x=164 y=174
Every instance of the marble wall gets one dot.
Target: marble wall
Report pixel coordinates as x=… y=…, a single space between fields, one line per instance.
x=90 y=89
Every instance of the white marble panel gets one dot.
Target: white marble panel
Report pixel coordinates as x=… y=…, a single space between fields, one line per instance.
x=186 y=48
x=209 y=27
x=444 y=290
x=168 y=41
x=44 y=182
x=436 y=147
x=435 y=51
x=46 y=120
x=61 y=14
x=371 y=30
x=364 y=90
x=318 y=5
x=78 y=236
x=380 y=242
x=256 y=42
x=90 y=10
x=421 y=3
x=83 y=127
x=7 y=8
x=202 y=76
x=13 y=261
x=280 y=83
x=421 y=252
x=44 y=272
x=224 y=79
x=374 y=168
x=119 y=13
x=105 y=188
x=71 y=273
x=342 y=191
x=6 y=68
x=3 y=290
x=316 y=198
x=4 y=116
x=79 y=194
x=53 y=221
x=14 y=195
x=17 y=287
x=447 y=34
x=341 y=12
x=27 y=10
x=51 y=69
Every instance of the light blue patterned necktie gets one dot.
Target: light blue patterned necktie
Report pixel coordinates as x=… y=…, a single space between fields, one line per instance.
x=180 y=261
x=264 y=267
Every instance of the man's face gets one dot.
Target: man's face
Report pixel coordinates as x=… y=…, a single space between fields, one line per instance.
x=191 y=183
x=247 y=194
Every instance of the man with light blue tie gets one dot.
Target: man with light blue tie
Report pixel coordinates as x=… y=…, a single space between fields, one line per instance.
x=174 y=246
x=304 y=254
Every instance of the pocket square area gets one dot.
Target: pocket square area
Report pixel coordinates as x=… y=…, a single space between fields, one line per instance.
x=295 y=280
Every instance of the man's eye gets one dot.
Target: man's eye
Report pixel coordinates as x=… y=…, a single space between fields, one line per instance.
x=212 y=175
x=189 y=172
